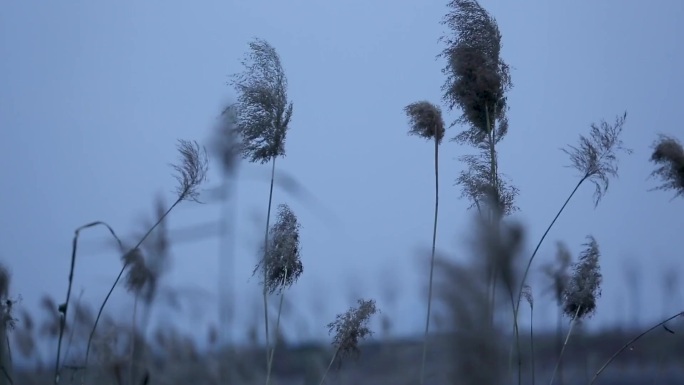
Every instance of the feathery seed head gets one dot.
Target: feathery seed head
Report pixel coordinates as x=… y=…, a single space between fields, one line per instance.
x=584 y=287
x=192 y=170
x=263 y=110
x=668 y=155
x=477 y=78
x=596 y=155
x=283 y=264
x=425 y=120
x=352 y=326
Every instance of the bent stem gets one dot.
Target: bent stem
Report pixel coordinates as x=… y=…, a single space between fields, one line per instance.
x=63 y=310
x=118 y=277
x=567 y=337
x=630 y=342
x=432 y=263
x=264 y=292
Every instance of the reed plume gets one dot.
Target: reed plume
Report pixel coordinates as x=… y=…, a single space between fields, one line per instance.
x=425 y=120
x=596 y=159
x=282 y=266
x=263 y=114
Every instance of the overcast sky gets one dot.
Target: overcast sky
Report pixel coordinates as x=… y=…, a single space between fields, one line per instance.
x=93 y=97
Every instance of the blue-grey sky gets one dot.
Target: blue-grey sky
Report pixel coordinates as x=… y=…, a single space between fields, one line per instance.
x=94 y=95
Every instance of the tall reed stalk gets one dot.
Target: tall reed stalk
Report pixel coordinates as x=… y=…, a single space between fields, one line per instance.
x=426 y=121
x=263 y=114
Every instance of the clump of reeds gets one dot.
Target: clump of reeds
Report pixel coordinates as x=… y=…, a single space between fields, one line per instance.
x=190 y=173
x=475 y=350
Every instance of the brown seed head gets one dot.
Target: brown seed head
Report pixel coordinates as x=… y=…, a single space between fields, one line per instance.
x=425 y=120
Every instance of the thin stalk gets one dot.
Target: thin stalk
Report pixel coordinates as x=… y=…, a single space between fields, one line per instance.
x=74 y=247
x=329 y=366
x=227 y=266
x=432 y=262
x=510 y=294
x=132 y=353
x=493 y=212
x=559 y=342
x=567 y=337
x=264 y=292
x=277 y=328
x=99 y=313
x=630 y=342
x=532 y=342
x=536 y=249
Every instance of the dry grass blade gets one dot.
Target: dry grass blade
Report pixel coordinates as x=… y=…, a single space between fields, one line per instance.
x=668 y=156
